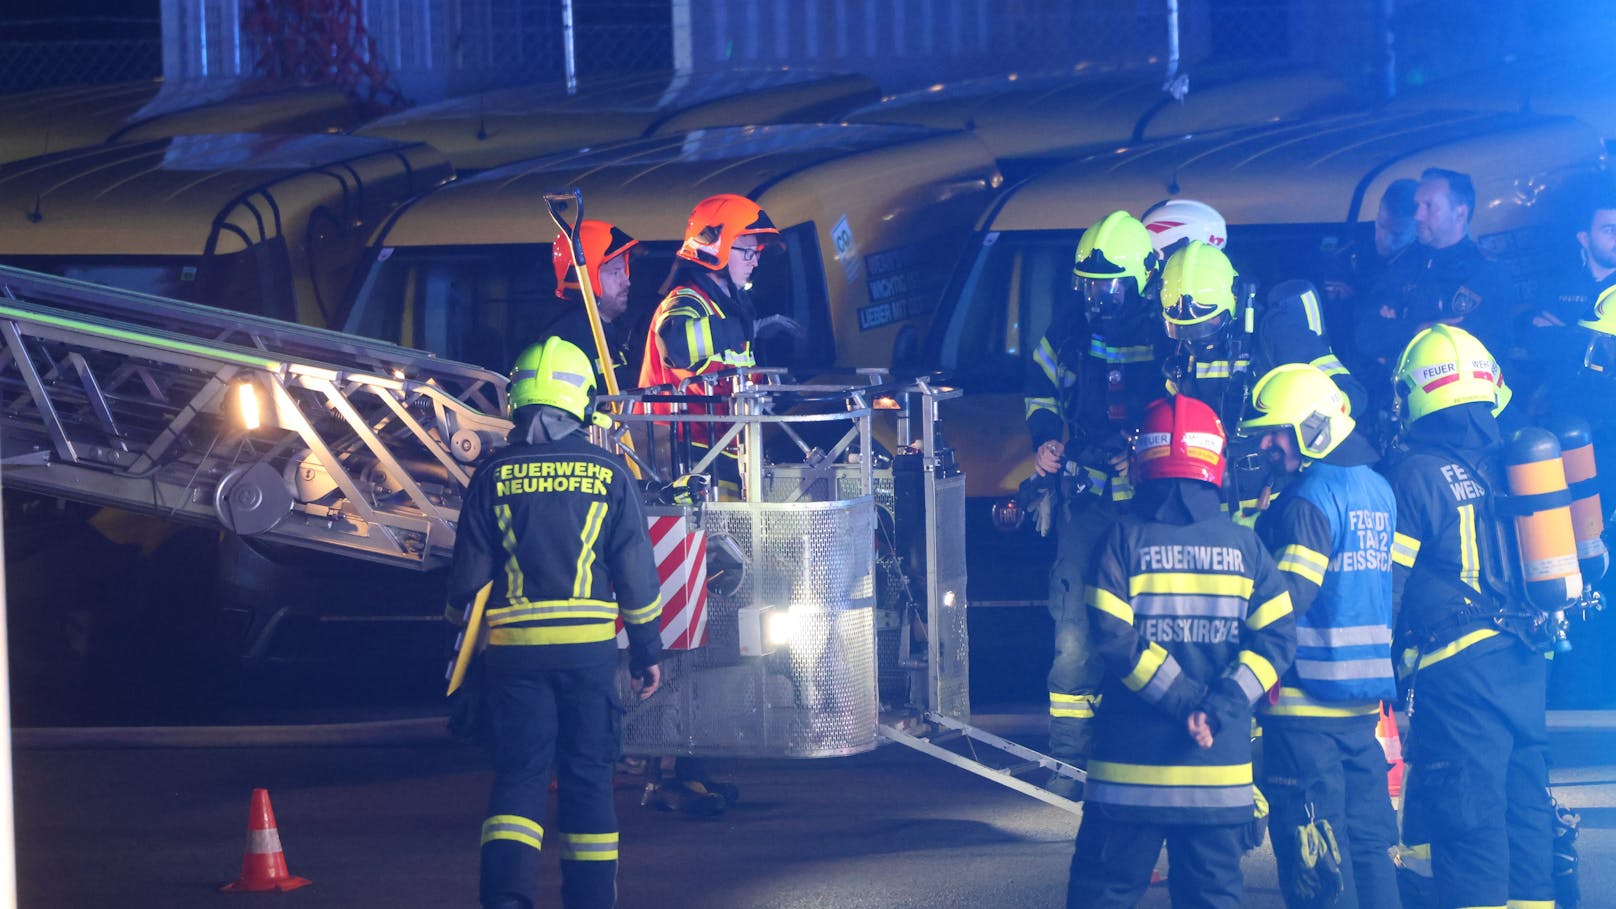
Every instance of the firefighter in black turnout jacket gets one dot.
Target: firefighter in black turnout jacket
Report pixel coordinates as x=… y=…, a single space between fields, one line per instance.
x=1194 y=623
x=1092 y=374
x=555 y=526
x=1323 y=771
x=1468 y=644
x=1223 y=340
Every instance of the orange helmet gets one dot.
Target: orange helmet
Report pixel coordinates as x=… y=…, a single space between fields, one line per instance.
x=1180 y=438
x=715 y=224
x=601 y=242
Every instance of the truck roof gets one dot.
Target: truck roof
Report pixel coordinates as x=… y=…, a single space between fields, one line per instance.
x=1042 y=113
x=648 y=186
x=173 y=196
x=510 y=124
x=1318 y=171
x=1571 y=88
x=57 y=119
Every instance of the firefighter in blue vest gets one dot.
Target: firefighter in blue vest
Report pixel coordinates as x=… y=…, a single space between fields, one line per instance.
x=1223 y=340
x=1091 y=377
x=1194 y=623
x=1467 y=644
x=1323 y=771
x=553 y=526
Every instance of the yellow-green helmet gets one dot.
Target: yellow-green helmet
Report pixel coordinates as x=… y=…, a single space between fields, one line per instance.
x=1303 y=398
x=1601 y=353
x=1445 y=366
x=1197 y=292
x=556 y=373
x=1116 y=246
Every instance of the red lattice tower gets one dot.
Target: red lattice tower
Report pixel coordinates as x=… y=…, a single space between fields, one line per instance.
x=320 y=42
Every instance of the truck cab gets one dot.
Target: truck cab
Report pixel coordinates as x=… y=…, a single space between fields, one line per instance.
x=873 y=218
x=1293 y=195
x=267 y=225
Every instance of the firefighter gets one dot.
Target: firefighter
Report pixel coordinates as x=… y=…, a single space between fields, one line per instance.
x=1467 y=645
x=554 y=526
x=707 y=321
x=1222 y=341
x=606 y=258
x=1194 y=624
x=1086 y=391
x=1323 y=770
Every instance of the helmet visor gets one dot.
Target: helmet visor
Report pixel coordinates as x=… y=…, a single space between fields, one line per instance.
x=1600 y=356
x=1204 y=330
x=1103 y=298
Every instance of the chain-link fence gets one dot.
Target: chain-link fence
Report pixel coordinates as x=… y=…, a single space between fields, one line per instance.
x=39 y=53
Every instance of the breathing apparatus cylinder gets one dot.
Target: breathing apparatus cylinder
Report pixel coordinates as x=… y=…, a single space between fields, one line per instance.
x=1587 y=516
x=1543 y=532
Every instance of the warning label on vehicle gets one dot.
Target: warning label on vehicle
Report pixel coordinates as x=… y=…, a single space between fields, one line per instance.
x=902 y=286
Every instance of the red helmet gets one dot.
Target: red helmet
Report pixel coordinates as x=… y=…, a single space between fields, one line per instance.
x=601 y=242
x=1180 y=437
x=716 y=223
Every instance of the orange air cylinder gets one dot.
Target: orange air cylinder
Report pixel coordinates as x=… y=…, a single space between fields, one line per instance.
x=1587 y=517
x=1548 y=545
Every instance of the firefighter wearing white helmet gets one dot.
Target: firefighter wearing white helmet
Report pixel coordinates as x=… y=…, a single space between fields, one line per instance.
x=1323 y=770
x=1091 y=376
x=1223 y=339
x=1173 y=223
x=553 y=535
x=1468 y=644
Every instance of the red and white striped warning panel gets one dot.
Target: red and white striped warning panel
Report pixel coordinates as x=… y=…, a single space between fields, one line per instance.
x=681 y=557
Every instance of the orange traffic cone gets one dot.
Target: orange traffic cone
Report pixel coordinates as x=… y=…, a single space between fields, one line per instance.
x=263 y=865
x=1392 y=743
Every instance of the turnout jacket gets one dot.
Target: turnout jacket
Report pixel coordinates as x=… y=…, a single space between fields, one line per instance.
x=1090 y=389
x=1189 y=613
x=559 y=530
x=1331 y=535
x=698 y=328
x=1449 y=576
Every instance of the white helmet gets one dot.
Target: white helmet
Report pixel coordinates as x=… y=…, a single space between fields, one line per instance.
x=1174 y=222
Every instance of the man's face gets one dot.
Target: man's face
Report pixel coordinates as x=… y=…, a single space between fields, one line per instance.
x=612 y=296
x=1599 y=242
x=1280 y=446
x=1392 y=233
x=1437 y=220
x=743 y=260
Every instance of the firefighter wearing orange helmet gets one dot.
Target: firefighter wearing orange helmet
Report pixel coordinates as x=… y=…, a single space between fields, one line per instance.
x=607 y=251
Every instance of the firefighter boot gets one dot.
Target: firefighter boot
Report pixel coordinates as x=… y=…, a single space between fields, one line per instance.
x=694 y=772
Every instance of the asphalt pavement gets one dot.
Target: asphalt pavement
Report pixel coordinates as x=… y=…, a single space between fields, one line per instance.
x=397 y=826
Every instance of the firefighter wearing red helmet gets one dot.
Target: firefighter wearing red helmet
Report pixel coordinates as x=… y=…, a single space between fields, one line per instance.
x=606 y=260
x=706 y=321
x=1194 y=624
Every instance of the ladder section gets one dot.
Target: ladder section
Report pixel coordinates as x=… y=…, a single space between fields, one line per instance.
x=265 y=428
x=986 y=755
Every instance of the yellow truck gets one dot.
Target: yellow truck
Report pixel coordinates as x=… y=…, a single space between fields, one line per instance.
x=268 y=225
x=873 y=218
x=498 y=127
x=57 y=119
x=1289 y=193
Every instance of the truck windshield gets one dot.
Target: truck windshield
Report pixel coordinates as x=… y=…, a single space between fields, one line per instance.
x=483 y=304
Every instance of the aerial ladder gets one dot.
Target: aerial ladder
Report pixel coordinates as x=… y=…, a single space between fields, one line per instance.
x=815 y=607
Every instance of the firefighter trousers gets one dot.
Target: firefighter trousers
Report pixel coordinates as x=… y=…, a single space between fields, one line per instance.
x=1335 y=769
x=1112 y=863
x=1478 y=776
x=1076 y=672
x=539 y=718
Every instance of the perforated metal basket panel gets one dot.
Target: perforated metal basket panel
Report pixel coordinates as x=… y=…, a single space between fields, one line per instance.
x=953 y=697
x=813 y=698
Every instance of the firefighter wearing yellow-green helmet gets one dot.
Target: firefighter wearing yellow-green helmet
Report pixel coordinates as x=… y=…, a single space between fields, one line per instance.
x=1302 y=399
x=1113 y=264
x=1468 y=638
x=1197 y=293
x=554 y=373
